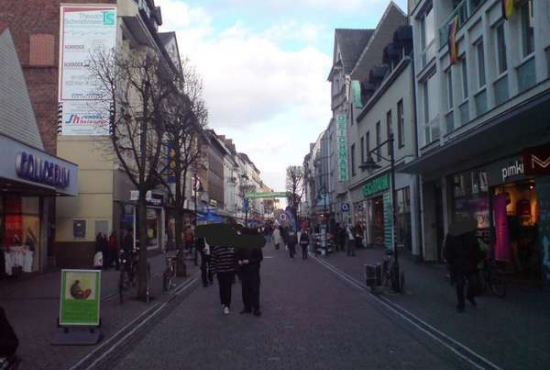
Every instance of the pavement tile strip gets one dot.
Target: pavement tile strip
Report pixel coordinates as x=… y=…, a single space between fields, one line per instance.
x=462 y=351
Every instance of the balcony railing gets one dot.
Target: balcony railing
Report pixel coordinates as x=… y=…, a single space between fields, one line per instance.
x=465 y=9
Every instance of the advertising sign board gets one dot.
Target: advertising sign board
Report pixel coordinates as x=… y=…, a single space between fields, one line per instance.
x=80 y=297
x=342 y=147
x=86 y=30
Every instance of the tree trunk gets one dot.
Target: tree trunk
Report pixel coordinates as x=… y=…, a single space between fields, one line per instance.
x=142 y=293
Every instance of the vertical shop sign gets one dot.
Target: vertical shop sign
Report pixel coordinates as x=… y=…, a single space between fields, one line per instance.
x=388 y=217
x=502 y=246
x=543 y=194
x=80 y=297
x=87 y=31
x=342 y=147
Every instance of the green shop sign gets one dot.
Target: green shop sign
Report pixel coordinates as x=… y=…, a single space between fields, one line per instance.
x=376 y=185
x=80 y=297
x=254 y=195
x=342 y=147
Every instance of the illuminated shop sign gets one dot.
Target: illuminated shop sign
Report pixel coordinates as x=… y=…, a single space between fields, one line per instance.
x=37 y=169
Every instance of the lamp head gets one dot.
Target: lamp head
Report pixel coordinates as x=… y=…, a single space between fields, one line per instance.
x=370 y=164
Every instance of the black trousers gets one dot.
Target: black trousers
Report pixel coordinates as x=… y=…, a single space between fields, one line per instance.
x=292 y=250
x=304 y=251
x=206 y=272
x=250 y=282
x=473 y=285
x=225 y=281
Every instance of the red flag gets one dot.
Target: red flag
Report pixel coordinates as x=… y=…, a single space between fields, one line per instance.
x=507 y=8
x=453 y=45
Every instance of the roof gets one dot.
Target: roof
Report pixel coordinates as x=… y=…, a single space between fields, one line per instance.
x=165 y=37
x=351 y=43
x=371 y=54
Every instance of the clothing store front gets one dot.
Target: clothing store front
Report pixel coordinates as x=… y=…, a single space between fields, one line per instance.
x=156 y=224
x=29 y=182
x=505 y=203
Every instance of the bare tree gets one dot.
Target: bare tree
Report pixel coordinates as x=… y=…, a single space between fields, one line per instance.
x=140 y=87
x=187 y=117
x=294 y=187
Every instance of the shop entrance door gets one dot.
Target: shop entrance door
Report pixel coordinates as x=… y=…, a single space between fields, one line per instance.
x=440 y=234
x=377 y=221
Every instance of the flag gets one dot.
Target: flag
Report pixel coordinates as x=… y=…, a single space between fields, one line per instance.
x=453 y=45
x=507 y=8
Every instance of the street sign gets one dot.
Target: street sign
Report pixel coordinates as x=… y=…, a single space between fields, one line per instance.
x=345 y=207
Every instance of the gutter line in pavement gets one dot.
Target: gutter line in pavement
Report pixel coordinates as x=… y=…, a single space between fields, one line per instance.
x=471 y=357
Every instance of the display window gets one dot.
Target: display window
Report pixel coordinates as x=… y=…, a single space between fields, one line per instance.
x=20 y=234
x=376 y=220
x=404 y=231
x=516 y=219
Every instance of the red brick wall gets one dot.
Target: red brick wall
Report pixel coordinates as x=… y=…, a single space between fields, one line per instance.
x=30 y=17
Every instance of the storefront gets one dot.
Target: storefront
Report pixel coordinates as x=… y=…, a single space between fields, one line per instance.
x=375 y=212
x=505 y=202
x=29 y=182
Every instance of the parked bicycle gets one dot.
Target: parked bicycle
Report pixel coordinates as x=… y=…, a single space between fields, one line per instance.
x=10 y=363
x=129 y=273
x=490 y=277
x=391 y=275
x=169 y=275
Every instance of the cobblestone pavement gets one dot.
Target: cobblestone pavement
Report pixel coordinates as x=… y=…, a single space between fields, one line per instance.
x=311 y=320
x=513 y=332
x=32 y=306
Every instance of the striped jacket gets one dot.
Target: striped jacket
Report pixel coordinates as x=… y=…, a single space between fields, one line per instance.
x=223 y=259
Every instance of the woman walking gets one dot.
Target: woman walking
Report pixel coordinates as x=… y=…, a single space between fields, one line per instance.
x=223 y=263
x=277 y=237
x=304 y=243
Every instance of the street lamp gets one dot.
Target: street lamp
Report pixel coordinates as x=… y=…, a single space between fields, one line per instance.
x=371 y=165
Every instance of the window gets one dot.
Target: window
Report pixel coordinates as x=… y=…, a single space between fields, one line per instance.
x=502 y=64
x=480 y=64
x=449 y=76
x=368 y=143
x=41 y=50
x=353 y=160
x=464 y=77
x=378 y=141
x=400 y=124
x=527 y=29
x=362 y=150
x=428 y=28
x=431 y=105
x=389 y=131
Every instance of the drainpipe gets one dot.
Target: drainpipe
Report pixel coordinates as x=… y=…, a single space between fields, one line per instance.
x=420 y=206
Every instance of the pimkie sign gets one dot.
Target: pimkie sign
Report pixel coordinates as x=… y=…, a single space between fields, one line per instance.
x=536 y=160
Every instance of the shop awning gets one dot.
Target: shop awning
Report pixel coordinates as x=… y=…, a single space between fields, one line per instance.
x=519 y=126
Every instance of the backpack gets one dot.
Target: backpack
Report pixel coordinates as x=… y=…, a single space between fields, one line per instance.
x=8 y=339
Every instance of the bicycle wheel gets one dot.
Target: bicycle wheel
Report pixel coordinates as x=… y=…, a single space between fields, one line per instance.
x=498 y=286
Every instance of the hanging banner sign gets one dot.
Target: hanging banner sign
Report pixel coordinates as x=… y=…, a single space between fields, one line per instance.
x=341 y=136
x=80 y=298
x=85 y=118
x=254 y=195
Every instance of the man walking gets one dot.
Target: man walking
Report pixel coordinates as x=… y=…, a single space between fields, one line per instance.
x=206 y=268
x=463 y=253
x=224 y=263
x=292 y=240
x=350 y=242
x=304 y=243
x=249 y=260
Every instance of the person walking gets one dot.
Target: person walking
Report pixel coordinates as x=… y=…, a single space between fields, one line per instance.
x=224 y=262
x=277 y=237
x=249 y=260
x=350 y=242
x=291 y=241
x=463 y=253
x=113 y=250
x=304 y=243
x=206 y=268
x=358 y=234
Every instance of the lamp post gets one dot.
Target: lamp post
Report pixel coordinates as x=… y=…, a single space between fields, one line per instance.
x=371 y=165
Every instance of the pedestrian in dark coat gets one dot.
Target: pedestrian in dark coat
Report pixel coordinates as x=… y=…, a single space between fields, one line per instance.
x=304 y=243
x=249 y=260
x=292 y=240
x=463 y=254
x=224 y=263
x=113 y=250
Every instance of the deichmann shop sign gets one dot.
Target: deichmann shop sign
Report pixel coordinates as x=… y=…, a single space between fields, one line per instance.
x=37 y=169
x=342 y=147
x=377 y=185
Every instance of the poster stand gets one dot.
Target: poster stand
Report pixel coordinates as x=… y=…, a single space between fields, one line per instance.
x=79 y=322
